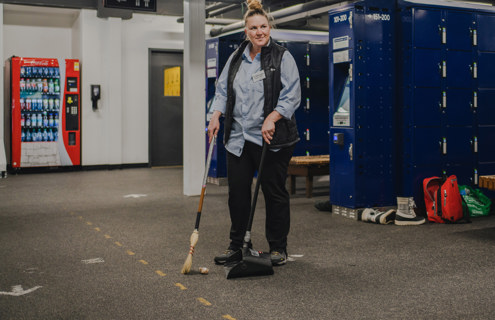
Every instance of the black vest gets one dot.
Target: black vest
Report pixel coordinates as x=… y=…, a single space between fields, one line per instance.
x=271 y=58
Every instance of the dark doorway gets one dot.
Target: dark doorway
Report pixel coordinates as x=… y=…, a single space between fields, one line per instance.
x=165 y=109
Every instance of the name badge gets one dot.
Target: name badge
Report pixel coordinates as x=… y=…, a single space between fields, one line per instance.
x=260 y=75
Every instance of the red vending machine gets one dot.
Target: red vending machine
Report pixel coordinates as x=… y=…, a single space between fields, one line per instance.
x=42 y=125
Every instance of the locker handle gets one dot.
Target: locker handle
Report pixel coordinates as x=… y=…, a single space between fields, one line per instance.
x=474 y=144
x=442 y=68
x=474 y=103
x=443 y=146
x=350 y=152
x=474 y=36
x=474 y=70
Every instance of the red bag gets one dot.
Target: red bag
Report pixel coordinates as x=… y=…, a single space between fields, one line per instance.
x=443 y=199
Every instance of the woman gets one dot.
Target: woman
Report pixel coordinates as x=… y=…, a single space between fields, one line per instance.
x=258 y=92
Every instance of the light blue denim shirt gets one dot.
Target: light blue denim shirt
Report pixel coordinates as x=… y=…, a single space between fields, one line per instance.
x=248 y=114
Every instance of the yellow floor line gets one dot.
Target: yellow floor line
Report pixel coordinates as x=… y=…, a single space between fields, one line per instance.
x=180 y=286
x=203 y=301
x=160 y=273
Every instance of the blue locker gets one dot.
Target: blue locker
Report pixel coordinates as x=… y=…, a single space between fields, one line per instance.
x=464 y=173
x=486 y=69
x=430 y=141
x=460 y=145
x=427 y=67
x=362 y=145
x=319 y=59
x=459 y=30
x=486 y=106
x=445 y=45
x=427 y=31
x=486 y=32
x=427 y=107
x=486 y=143
x=459 y=108
x=460 y=69
x=343 y=193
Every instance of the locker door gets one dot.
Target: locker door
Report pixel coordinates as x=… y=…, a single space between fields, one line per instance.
x=486 y=32
x=459 y=26
x=458 y=110
x=486 y=137
x=343 y=169
x=319 y=57
x=426 y=109
x=427 y=68
x=426 y=146
x=460 y=69
x=459 y=147
x=486 y=106
x=486 y=69
x=427 y=28
x=464 y=173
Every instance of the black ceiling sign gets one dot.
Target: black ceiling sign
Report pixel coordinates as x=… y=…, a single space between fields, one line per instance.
x=137 y=5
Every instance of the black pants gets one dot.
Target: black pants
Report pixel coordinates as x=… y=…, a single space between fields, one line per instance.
x=240 y=171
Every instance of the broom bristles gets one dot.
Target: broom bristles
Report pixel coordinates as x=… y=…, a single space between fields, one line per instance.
x=193 y=241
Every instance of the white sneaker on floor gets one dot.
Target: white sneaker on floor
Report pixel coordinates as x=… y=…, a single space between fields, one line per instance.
x=379 y=217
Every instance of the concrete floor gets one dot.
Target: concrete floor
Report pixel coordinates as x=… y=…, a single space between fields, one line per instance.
x=111 y=244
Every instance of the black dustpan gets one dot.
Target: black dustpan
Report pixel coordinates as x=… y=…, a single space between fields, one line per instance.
x=248 y=262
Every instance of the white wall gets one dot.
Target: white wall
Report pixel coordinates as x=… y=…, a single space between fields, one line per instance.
x=113 y=53
x=38 y=42
x=139 y=34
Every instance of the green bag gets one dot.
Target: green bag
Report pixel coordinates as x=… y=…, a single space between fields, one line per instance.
x=475 y=201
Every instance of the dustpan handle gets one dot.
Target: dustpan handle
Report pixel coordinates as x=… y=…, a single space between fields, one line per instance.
x=247 y=237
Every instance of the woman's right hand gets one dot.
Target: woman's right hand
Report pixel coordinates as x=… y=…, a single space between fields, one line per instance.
x=214 y=125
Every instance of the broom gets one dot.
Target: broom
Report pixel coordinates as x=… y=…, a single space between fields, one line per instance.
x=195 y=235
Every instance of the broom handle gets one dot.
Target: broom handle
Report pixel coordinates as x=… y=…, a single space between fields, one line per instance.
x=205 y=177
x=247 y=237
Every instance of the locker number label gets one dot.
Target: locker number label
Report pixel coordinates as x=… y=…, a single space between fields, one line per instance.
x=340 y=18
x=380 y=16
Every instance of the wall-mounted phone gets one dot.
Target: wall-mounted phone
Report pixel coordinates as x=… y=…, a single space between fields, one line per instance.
x=95 y=95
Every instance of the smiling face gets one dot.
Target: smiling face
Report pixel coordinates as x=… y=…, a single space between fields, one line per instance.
x=258 y=31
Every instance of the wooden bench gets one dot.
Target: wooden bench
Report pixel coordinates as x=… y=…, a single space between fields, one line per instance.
x=307 y=166
x=487 y=182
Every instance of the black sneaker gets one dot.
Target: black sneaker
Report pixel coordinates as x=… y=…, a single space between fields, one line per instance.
x=323 y=206
x=278 y=257
x=225 y=256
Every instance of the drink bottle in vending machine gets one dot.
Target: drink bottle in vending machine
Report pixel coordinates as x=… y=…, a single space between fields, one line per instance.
x=37 y=133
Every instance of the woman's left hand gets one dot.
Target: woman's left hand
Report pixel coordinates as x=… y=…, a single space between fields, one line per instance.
x=268 y=130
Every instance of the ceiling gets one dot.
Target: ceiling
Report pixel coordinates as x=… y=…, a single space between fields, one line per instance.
x=311 y=14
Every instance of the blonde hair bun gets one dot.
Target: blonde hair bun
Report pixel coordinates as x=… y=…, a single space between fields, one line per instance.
x=254 y=5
